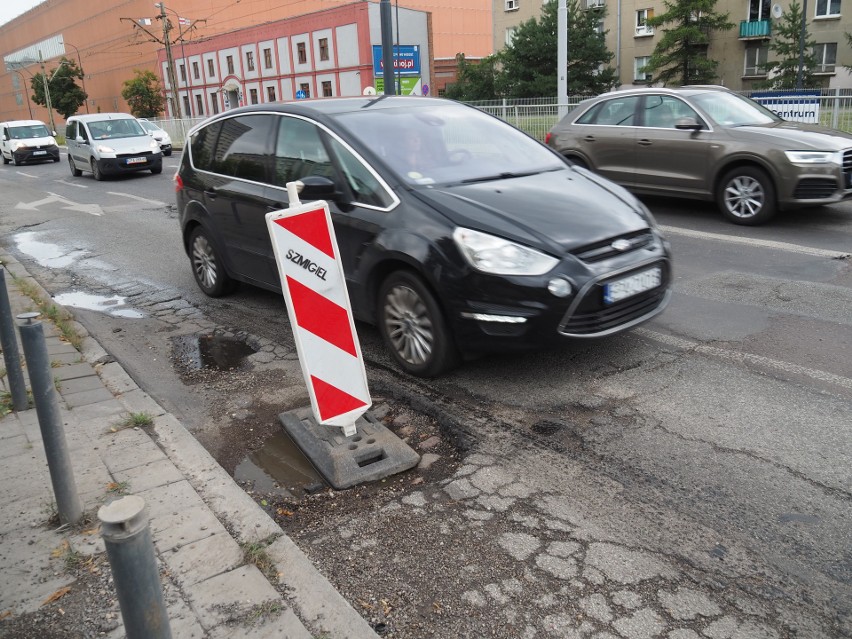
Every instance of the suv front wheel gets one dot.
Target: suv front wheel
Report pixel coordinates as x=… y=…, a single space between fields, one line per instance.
x=413 y=327
x=746 y=196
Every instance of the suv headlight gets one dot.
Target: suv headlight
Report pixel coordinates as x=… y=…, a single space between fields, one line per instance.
x=103 y=148
x=814 y=157
x=495 y=255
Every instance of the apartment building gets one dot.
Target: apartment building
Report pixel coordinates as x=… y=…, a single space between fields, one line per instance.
x=741 y=52
x=112 y=39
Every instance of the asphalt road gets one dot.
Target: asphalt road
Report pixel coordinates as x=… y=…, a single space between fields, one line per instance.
x=723 y=428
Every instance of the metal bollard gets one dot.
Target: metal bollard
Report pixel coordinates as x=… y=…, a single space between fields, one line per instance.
x=49 y=420
x=14 y=372
x=124 y=527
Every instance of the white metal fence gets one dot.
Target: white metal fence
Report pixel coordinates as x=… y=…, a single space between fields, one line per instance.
x=537 y=116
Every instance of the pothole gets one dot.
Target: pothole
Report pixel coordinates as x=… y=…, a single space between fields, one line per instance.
x=220 y=352
x=279 y=468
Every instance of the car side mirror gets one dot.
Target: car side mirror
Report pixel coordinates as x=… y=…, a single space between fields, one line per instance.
x=688 y=124
x=53 y=133
x=317 y=187
x=79 y=139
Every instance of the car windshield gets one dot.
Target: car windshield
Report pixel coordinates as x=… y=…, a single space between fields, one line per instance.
x=28 y=132
x=730 y=109
x=112 y=129
x=448 y=143
x=149 y=126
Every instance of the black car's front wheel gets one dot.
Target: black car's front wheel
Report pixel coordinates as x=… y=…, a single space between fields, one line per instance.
x=746 y=196
x=207 y=266
x=413 y=327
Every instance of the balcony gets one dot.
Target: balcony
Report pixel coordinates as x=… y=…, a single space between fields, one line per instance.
x=755 y=29
x=643 y=31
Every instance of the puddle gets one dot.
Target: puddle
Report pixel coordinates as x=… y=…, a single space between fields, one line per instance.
x=111 y=305
x=279 y=468
x=210 y=351
x=49 y=255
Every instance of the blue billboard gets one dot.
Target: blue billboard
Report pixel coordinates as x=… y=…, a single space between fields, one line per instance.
x=406 y=59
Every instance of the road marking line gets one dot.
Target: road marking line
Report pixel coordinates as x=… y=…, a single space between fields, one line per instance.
x=26 y=174
x=746 y=358
x=136 y=197
x=79 y=186
x=783 y=246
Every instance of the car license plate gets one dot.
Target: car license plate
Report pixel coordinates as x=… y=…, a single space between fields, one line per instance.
x=39 y=152
x=633 y=285
x=135 y=160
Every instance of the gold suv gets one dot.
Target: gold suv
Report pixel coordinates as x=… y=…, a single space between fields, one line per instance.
x=707 y=143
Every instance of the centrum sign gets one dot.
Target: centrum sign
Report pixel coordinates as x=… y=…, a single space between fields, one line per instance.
x=801 y=106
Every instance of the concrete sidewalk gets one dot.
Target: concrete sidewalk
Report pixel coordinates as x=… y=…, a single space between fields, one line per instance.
x=200 y=519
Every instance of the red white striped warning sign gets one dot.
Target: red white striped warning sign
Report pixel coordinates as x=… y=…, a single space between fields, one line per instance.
x=318 y=304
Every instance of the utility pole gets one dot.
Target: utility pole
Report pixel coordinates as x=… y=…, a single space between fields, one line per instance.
x=562 y=58
x=802 y=37
x=176 y=112
x=386 y=21
x=46 y=92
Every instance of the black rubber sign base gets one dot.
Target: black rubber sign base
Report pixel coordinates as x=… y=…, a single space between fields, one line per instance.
x=372 y=453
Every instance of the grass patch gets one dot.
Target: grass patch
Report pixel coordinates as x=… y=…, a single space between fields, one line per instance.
x=255 y=553
x=61 y=318
x=7 y=405
x=118 y=487
x=133 y=420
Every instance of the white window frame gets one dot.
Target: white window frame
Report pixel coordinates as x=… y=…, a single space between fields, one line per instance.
x=642 y=28
x=636 y=66
x=757 y=65
x=821 y=49
x=512 y=5
x=510 y=35
x=826 y=9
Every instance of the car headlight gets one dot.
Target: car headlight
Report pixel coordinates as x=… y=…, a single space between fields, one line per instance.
x=814 y=157
x=155 y=145
x=495 y=255
x=18 y=145
x=103 y=148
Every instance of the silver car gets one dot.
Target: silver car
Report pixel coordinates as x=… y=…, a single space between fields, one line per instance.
x=707 y=143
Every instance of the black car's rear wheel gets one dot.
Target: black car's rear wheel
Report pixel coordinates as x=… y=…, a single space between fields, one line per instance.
x=74 y=170
x=207 y=266
x=413 y=327
x=746 y=196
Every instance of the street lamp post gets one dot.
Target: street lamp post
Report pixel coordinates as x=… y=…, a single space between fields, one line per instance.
x=29 y=104
x=80 y=65
x=46 y=92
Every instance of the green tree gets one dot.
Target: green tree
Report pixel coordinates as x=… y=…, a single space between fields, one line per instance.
x=474 y=81
x=848 y=37
x=143 y=94
x=66 y=96
x=528 y=64
x=680 y=56
x=784 y=70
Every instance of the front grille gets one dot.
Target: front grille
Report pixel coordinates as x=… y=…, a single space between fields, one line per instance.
x=591 y=316
x=603 y=250
x=607 y=319
x=146 y=154
x=815 y=188
x=847 y=161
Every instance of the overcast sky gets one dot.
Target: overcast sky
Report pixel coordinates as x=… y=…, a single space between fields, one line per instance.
x=10 y=9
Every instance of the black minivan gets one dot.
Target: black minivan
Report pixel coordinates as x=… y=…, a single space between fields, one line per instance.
x=458 y=232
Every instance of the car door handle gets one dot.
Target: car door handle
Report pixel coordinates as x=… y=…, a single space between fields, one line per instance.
x=277 y=206
x=211 y=193
x=645 y=142
x=589 y=138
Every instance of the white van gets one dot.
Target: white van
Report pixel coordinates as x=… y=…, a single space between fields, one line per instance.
x=110 y=143
x=27 y=141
